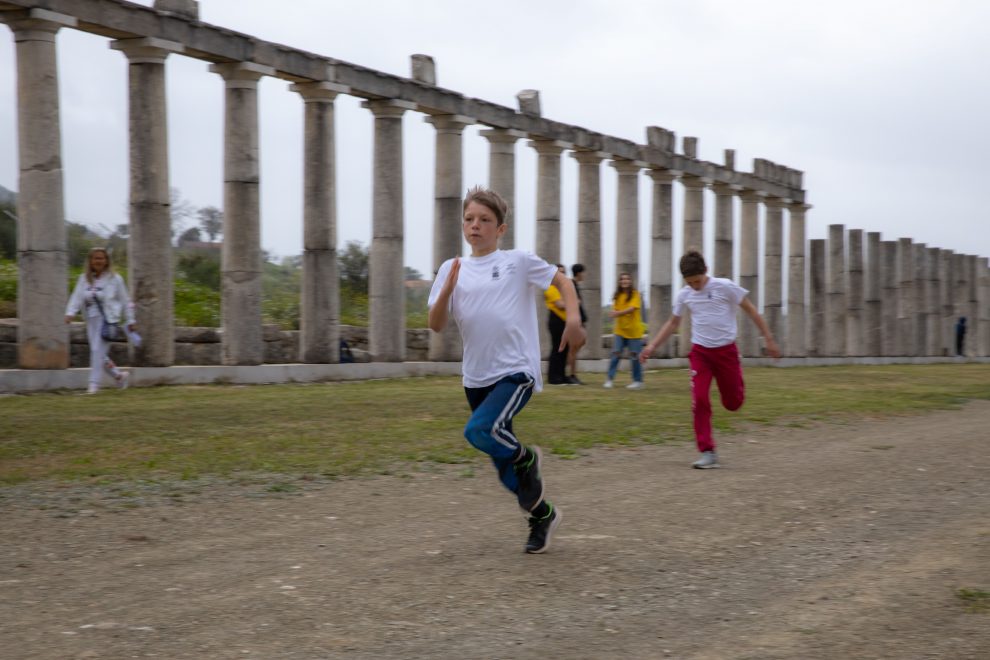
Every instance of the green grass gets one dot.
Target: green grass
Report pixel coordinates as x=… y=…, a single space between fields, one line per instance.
x=975 y=600
x=387 y=426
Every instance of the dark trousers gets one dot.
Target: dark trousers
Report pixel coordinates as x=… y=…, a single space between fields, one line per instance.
x=558 y=359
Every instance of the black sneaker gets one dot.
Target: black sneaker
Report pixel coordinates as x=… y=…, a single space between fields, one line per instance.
x=574 y=380
x=530 y=492
x=541 y=529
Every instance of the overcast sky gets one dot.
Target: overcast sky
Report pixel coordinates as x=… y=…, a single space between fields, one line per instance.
x=885 y=105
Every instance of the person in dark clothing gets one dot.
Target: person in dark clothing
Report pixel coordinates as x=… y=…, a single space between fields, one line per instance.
x=961 y=336
x=577 y=276
x=556 y=321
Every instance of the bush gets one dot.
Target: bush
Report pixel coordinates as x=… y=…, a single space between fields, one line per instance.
x=196 y=305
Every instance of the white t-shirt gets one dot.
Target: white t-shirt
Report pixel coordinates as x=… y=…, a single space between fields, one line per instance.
x=713 y=311
x=494 y=306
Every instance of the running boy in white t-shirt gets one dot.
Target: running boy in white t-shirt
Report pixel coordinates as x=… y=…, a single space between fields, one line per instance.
x=713 y=302
x=491 y=296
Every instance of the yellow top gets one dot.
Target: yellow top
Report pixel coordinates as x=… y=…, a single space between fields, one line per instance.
x=550 y=296
x=630 y=325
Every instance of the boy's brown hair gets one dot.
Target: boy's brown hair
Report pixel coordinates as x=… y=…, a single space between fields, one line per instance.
x=692 y=263
x=491 y=199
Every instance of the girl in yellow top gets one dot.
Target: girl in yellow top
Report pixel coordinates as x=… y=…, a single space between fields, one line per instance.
x=629 y=330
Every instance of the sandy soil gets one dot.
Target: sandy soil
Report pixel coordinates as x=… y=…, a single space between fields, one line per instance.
x=841 y=541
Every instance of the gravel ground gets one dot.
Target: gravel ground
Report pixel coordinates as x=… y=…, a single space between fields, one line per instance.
x=834 y=542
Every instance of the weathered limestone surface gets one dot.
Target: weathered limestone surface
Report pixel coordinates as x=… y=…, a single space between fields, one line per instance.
x=854 y=298
x=240 y=270
x=386 y=296
x=502 y=174
x=41 y=238
x=150 y=238
x=661 y=268
x=836 y=317
x=906 y=300
x=320 y=302
x=772 y=267
x=817 y=298
x=888 y=264
x=627 y=219
x=447 y=235
x=749 y=266
x=589 y=244
x=796 y=341
x=872 y=308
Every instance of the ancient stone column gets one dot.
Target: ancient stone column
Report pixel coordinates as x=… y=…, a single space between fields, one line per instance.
x=796 y=339
x=773 y=256
x=627 y=219
x=872 y=307
x=662 y=254
x=589 y=244
x=836 y=320
x=921 y=285
x=906 y=303
x=888 y=304
x=933 y=304
x=854 y=296
x=724 y=199
x=749 y=267
x=960 y=296
x=240 y=272
x=448 y=203
x=149 y=248
x=946 y=282
x=548 y=198
x=694 y=234
x=983 y=330
x=319 y=322
x=502 y=175
x=42 y=256
x=817 y=298
x=972 y=311
x=386 y=295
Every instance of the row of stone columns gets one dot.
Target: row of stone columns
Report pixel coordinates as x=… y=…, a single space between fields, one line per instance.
x=899 y=305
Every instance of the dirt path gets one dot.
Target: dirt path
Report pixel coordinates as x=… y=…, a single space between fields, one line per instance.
x=843 y=541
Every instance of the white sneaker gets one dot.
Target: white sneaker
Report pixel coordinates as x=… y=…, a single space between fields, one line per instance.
x=93 y=388
x=635 y=385
x=708 y=460
x=124 y=379
x=607 y=384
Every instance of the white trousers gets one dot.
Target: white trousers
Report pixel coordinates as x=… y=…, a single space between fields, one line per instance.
x=98 y=350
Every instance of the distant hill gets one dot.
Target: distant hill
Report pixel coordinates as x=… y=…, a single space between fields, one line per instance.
x=7 y=196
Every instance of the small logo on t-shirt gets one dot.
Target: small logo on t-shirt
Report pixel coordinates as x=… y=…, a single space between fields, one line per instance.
x=495 y=273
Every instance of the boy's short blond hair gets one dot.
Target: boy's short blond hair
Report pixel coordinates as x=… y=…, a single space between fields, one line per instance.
x=491 y=199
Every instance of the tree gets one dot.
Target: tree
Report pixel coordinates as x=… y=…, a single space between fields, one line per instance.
x=411 y=274
x=353 y=264
x=180 y=210
x=8 y=231
x=211 y=221
x=191 y=235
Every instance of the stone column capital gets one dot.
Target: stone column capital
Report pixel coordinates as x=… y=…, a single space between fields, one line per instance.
x=502 y=135
x=549 y=147
x=775 y=202
x=799 y=207
x=589 y=157
x=664 y=175
x=319 y=92
x=694 y=182
x=628 y=167
x=752 y=196
x=388 y=108
x=36 y=24
x=147 y=50
x=452 y=124
x=726 y=188
x=242 y=74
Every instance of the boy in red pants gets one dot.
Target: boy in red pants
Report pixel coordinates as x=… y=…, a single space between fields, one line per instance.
x=713 y=302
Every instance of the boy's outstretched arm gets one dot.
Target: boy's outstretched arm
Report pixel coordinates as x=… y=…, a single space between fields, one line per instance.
x=574 y=335
x=772 y=349
x=439 y=311
x=668 y=328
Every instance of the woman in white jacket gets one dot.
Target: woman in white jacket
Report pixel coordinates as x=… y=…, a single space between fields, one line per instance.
x=99 y=282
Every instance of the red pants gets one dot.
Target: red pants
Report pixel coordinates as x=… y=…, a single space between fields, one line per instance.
x=723 y=364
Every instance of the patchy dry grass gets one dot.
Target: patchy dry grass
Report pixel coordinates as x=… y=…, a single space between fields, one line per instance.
x=338 y=429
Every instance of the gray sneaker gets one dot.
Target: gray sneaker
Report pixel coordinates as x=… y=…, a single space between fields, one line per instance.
x=708 y=460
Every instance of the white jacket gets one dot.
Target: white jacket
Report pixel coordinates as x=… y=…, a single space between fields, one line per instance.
x=112 y=293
